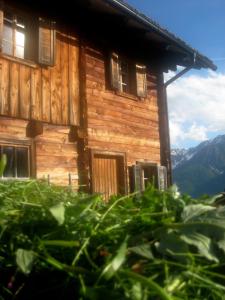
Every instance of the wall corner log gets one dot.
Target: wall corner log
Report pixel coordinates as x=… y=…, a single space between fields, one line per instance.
x=34 y=128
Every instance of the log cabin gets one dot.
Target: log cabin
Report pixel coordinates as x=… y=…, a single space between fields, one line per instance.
x=82 y=94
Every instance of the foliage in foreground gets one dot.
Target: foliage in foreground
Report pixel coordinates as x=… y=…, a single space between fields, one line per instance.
x=56 y=244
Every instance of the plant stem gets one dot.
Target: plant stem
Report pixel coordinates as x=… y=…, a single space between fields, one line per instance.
x=147 y=282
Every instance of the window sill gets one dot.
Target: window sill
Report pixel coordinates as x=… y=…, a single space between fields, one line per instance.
x=19 y=60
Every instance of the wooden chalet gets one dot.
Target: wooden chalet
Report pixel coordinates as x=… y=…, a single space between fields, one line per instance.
x=82 y=94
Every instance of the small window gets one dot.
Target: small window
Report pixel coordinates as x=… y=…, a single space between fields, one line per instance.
x=28 y=38
x=125 y=81
x=128 y=77
x=18 y=161
x=47 y=40
x=141 y=80
x=14 y=35
x=143 y=174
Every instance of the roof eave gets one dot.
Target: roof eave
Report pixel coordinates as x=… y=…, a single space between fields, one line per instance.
x=203 y=61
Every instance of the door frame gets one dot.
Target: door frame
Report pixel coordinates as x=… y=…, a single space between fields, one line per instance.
x=93 y=152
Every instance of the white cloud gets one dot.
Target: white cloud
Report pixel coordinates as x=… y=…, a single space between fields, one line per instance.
x=196 y=107
x=196 y=133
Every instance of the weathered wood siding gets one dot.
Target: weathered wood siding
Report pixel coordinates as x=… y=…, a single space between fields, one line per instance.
x=117 y=122
x=53 y=156
x=12 y=130
x=56 y=157
x=49 y=94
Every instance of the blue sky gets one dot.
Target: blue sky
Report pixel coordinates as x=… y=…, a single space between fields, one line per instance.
x=197 y=100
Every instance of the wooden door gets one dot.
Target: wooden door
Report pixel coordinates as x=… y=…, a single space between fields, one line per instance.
x=108 y=176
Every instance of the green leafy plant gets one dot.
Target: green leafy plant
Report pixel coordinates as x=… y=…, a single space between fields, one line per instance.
x=58 y=244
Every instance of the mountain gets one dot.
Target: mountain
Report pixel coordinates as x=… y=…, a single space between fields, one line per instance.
x=200 y=170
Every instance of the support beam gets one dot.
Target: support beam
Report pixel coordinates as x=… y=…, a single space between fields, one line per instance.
x=178 y=75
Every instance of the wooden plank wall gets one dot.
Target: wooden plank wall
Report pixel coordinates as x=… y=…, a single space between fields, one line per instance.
x=12 y=130
x=118 y=123
x=48 y=94
x=56 y=156
x=53 y=154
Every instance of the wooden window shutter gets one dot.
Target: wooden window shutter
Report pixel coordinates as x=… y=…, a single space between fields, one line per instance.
x=162 y=178
x=47 y=43
x=138 y=178
x=115 y=71
x=141 y=81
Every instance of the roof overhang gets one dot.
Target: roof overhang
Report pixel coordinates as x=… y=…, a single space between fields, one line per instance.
x=118 y=26
x=174 y=44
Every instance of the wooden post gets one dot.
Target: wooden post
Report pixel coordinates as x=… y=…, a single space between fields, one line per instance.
x=82 y=142
x=48 y=179
x=164 y=128
x=70 y=179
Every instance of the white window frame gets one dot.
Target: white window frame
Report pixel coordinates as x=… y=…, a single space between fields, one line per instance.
x=15 y=27
x=139 y=172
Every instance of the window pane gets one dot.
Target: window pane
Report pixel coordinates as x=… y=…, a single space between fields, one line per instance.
x=19 y=52
x=124 y=76
x=20 y=42
x=22 y=162
x=150 y=175
x=7 y=42
x=10 y=166
x=20 y=38
x=7 y=48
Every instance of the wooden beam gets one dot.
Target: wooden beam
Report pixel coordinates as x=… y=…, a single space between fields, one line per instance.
x=76 y=133
x=34 y=128
x=164 y=128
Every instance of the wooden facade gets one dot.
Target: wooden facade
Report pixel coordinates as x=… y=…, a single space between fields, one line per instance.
x=48 y=94
x=89 y=111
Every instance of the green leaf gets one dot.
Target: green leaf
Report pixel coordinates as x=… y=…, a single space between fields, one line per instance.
x=24 y=260
x=174 y=191
x=3 y=162
x=148 y=282
x=143 y=250
x=137 y=291
x=221 y=245
x=203 y=244
x=58 y=212
x=110 y=270
x=191 y=212
x=171 y=244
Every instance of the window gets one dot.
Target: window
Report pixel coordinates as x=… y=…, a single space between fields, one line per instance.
x=27 y=37
x=46 y=53
x=142 y=174
x=128 y=77
x=14 y=34
x=18 y=161
x=124 y=80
